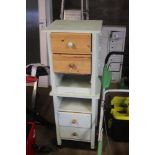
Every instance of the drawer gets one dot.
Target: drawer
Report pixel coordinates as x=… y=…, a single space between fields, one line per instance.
x=71 y=43
x=76 y=64
x=74 y=119
x=75 y=133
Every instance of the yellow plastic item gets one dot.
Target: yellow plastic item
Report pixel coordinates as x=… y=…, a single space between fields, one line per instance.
x=121 y=108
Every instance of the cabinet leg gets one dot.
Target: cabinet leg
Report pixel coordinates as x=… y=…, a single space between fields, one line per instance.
x=94 y=103
x=58 y=135
x=59 y=142
x=92 y=145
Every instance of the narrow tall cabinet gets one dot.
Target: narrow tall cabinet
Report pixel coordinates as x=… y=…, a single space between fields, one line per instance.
x=73 y=48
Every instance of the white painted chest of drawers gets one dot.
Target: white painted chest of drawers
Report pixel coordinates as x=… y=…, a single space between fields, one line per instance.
x=73 y=58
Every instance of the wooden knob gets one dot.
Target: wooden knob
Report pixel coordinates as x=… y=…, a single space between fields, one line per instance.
x=72 y=66
x=74 y=134
x=70 y=44
x=74 y=121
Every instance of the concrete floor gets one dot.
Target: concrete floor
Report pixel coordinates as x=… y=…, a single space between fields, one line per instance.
x=46 y=136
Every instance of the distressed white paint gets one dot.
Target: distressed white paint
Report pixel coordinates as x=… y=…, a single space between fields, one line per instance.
x=79 y=88
x=77 y=95
x=57 y=101
x=84 y=26
x=94 y=109
x=95 y=59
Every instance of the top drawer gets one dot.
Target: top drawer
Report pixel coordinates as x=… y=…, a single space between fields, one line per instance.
x=71 y=43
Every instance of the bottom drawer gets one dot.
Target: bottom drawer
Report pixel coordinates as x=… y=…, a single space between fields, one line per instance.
x=75 y=133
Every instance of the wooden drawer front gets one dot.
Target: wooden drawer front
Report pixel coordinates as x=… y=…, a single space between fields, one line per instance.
x=76 y=64
x=71 y=43
x=75 y=119
x=75 y=133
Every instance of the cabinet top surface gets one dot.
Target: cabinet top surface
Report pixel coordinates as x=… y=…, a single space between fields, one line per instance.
x=91 y=26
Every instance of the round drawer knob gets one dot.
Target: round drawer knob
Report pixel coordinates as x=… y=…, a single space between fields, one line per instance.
x=70 y=44
x=74 y=121
x=74 y=134
x=72 y=66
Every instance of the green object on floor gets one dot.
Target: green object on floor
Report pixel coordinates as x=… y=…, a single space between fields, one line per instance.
x=106 y=77
x=99 y=149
